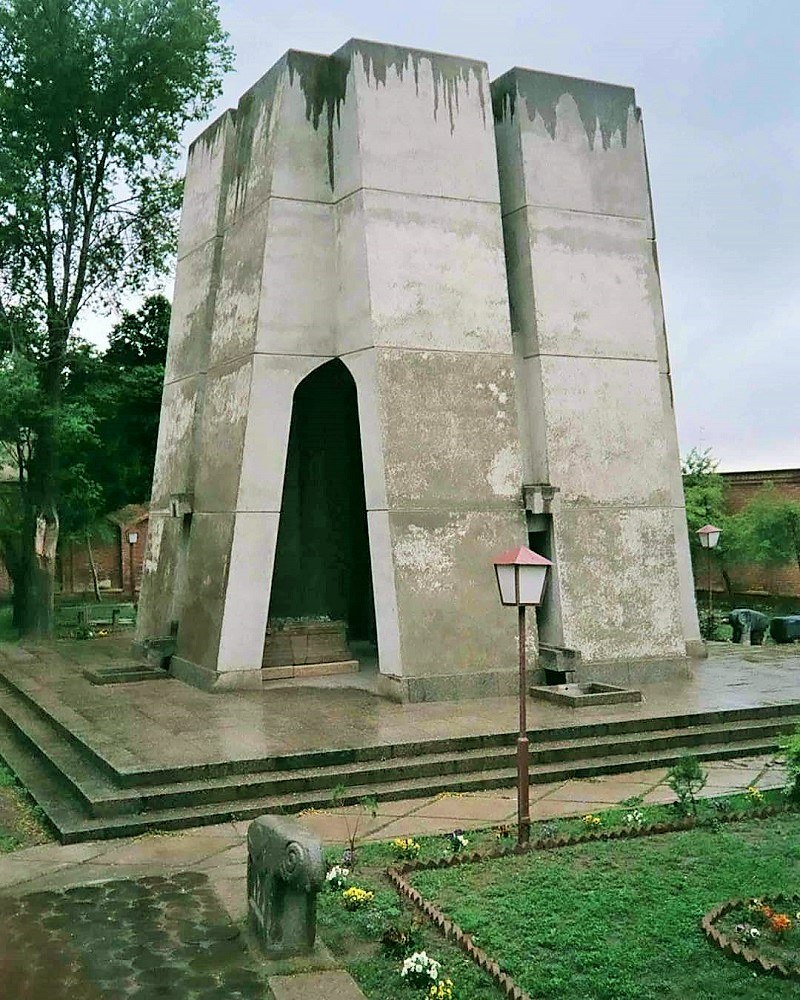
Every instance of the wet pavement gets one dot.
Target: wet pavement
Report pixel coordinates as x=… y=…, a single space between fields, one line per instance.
x=169 y=724
x=153 y=938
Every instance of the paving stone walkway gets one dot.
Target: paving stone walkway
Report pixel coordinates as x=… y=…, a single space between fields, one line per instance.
x=220 y=851
x=150 y=938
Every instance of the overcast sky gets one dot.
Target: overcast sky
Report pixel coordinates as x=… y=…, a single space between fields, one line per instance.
x=719 y=85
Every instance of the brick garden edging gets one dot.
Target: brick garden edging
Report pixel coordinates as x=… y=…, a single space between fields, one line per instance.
x=452 y=932
x=739 y=951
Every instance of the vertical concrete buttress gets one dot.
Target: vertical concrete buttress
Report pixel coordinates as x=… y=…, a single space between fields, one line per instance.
x=590 y=344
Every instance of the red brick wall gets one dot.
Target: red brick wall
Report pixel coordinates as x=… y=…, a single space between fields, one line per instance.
x=112 y=559
x=740 y=489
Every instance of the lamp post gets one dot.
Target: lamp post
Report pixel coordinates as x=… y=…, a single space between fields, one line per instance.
x=133 y=538
x=521 y=578
x=709 y=536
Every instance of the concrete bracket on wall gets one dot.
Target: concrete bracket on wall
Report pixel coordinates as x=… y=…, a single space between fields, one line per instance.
x=540 y=498
x=181 y=504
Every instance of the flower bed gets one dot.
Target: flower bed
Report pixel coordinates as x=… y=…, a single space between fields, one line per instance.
x=486 y=956
x=763 y=932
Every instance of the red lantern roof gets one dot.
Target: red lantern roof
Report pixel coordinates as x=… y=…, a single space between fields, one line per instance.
x=521 y=557
x=708 y=529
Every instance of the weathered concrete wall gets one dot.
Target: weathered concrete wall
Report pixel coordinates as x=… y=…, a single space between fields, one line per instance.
x=591 y=351
x=359 y=217
x=351 y=207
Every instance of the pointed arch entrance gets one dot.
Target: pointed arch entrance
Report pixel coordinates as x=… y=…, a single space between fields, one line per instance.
x=322 y=560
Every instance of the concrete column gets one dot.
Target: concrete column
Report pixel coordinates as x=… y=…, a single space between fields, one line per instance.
x=590 y=346
x=196 y=282
x=424 y=310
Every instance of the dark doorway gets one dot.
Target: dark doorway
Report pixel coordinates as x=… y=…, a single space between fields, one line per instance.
x=322 y=565
x=540 y=539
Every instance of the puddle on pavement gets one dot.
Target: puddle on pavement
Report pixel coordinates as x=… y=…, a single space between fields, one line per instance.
x=154 y=938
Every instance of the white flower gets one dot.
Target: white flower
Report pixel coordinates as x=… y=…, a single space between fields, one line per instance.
x=755 y=932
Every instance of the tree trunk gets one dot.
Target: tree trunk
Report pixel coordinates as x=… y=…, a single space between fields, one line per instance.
x=93 y=565
x=727 y=579
x=36 y=610
x=41 y=494
x=14 y=568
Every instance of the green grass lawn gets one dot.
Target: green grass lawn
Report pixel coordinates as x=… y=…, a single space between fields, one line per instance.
x=620 y=920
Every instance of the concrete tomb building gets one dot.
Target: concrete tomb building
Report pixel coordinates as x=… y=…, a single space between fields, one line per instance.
x=417 y=321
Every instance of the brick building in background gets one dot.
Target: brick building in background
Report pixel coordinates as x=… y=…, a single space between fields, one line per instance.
x=740 y=489
x=112 y=556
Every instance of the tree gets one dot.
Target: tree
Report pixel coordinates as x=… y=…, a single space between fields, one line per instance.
x=704 y=493
x=772 y=535
x=123 y=388
x=108 y=430
x=94 y=95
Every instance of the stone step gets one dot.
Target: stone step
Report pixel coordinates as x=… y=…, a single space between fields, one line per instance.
x=126 y=771
x=85 y=798
x=85 y=781
x=67 y=723
x=466 y=763
x=102 y=797
x=67 y=813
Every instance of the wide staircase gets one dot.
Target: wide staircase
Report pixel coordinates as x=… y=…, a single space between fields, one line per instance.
x=86 y=798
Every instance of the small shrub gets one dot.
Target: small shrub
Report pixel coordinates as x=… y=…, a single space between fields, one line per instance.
x=443 y=990
x=405 y=848
x=791 y=749
x=367 y=806
x=336 y=878
x=634 y=818
x=755 y=796
x=420 y=970
x=457 y=841
x=687 y=779
x=548 y=831
x=710 y=626
x=401 y=936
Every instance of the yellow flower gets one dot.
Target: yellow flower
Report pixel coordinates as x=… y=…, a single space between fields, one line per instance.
x=405 y=847
x=443 y=990
x=355 y=898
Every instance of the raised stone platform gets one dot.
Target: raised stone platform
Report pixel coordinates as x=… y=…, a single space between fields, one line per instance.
x=115 y=760
x=585 y=695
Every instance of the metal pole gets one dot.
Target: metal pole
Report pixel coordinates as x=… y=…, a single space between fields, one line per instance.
x=708 y=560
x=133 y=581
x=523 y=799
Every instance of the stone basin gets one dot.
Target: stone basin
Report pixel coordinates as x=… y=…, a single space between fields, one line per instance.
x=585 y=694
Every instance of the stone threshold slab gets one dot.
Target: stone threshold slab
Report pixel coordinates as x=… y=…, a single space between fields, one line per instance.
x=309 y=670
